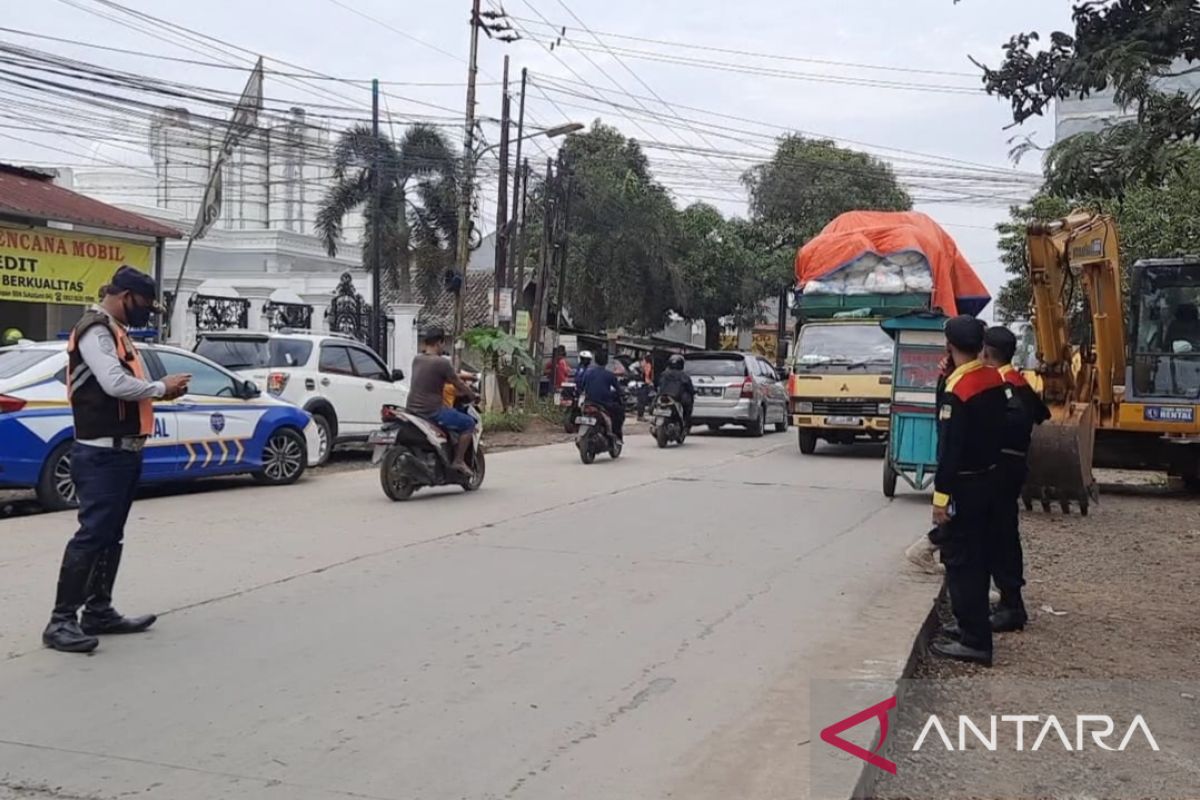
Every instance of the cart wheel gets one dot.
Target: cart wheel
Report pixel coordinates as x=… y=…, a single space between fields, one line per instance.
x=889 y=479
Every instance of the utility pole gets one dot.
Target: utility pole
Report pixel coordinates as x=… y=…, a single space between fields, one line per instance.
x=377 y=324
x=538 y=312
x=519 y=238
x=502 y=232
x=518 y=212
x=565 y=183
x=468 y=182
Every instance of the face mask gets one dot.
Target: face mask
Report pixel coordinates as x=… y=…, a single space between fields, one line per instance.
x=136 y=316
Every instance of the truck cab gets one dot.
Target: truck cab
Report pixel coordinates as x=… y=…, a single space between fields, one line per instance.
x=840 y=387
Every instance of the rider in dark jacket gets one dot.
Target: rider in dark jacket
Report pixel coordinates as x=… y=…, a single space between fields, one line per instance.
x=676 y=383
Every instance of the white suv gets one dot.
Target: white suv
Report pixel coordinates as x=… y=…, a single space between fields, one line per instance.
x=338 y=380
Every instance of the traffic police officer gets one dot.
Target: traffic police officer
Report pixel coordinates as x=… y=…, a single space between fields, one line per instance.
x=1025 y=409
x=112 y=406
x=971 y=415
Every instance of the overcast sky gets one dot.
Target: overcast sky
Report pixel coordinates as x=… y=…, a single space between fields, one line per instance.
x=920 y=42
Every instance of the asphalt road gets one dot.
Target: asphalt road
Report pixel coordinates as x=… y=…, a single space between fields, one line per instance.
x=640 y=629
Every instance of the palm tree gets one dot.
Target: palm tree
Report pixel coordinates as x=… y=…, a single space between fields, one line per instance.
x=418 y=199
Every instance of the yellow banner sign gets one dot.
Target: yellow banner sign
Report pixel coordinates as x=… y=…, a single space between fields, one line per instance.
x=39 y=265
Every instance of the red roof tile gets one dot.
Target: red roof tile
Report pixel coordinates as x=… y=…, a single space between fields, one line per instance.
x=25 y=193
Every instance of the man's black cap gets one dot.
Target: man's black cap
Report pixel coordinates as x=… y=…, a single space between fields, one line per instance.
x=128 y=279
x=965 y=332
x=1000 y=338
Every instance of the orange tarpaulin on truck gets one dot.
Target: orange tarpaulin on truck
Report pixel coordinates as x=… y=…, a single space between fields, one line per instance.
x=957 y=289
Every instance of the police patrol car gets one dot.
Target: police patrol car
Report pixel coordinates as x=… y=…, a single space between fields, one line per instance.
x=223 y=426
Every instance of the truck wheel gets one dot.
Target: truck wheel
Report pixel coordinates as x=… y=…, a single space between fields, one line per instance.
x=889 y=479
x=808 y=441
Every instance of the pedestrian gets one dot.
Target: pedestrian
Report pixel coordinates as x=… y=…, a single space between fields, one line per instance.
x=646 y=390
x=971 y=413
x=1025 y=409
x=112 y=405
x=558 y=370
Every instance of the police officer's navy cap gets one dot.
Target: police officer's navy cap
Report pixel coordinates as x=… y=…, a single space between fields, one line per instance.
x=128 y=279
x=965 y=332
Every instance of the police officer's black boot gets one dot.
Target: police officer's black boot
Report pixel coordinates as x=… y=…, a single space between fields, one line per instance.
x=63 y=633
x=99 y=616
x=1010 y=615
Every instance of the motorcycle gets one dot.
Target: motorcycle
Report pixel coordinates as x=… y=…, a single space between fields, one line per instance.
x=413 y=453
x=568 y=398
x=595 y=434
x=668 y=425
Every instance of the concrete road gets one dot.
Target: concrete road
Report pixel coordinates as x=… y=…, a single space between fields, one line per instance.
x=640 y=629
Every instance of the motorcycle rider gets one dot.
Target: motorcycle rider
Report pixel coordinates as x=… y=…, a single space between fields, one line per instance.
x=600 y=386
x=428 y=378
x=585 y=361
x=677 y=384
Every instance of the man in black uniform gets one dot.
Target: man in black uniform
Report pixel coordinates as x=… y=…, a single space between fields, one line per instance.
x=1025 y=409
x=971 y=414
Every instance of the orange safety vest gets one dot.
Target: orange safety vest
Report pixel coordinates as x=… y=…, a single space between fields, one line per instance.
x=132 y=361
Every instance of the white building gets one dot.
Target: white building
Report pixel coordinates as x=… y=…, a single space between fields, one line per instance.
x=1072 y=116
x=263 y=249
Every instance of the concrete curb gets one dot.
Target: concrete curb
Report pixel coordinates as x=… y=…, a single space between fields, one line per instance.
x=864 y=788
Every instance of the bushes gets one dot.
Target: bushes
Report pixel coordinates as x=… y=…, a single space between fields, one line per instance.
x=513 y=419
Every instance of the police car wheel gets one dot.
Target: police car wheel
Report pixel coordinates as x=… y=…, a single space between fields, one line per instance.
x=284 y=458
x=55 y=489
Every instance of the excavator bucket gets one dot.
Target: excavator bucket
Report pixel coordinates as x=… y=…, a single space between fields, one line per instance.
x=1060 y=461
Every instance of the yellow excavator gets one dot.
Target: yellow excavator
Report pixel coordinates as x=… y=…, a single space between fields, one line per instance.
x=1122 y=396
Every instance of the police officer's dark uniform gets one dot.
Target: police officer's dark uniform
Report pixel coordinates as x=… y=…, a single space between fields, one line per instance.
x=971 y=418
x=1025 y=409
x=112 y=405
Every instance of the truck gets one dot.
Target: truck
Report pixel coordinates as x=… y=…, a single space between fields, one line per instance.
x=863 y=268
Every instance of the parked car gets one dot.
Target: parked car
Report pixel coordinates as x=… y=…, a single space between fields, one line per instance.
x=338 y=380
x=737 y=389
x=223 y=426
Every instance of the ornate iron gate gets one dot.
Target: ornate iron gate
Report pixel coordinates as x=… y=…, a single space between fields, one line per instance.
x=349 y=313
x=220 y=313
x=288 y=315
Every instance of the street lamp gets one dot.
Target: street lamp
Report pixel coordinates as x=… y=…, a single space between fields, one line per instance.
x=549 y=133
x=464 y=218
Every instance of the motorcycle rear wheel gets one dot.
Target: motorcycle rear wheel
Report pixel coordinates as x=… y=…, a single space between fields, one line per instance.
x=660 y=436
x=396 y=485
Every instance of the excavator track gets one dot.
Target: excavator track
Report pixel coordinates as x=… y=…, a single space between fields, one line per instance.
x=1060 y=461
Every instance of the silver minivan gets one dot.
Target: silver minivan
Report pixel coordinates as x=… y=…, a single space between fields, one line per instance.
x=737 y=389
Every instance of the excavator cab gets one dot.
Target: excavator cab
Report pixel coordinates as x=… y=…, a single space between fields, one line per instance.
x=1164 y=367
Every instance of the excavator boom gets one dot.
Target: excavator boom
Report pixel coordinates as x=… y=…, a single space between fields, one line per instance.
x=1074 y=274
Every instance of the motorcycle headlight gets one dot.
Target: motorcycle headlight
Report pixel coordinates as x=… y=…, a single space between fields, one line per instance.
x=804 y=408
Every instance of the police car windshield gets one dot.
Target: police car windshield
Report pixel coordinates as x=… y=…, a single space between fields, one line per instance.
x=14 y=362
x=242 y=352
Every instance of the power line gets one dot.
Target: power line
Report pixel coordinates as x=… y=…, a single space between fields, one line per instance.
x=754 y=54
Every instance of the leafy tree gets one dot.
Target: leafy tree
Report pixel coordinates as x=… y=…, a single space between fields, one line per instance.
x=505 y=356
x=1153 y=222
x=723 y=268
x=809 y=182
x=1128 y=46
x=620 y=234
x=417 y=206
